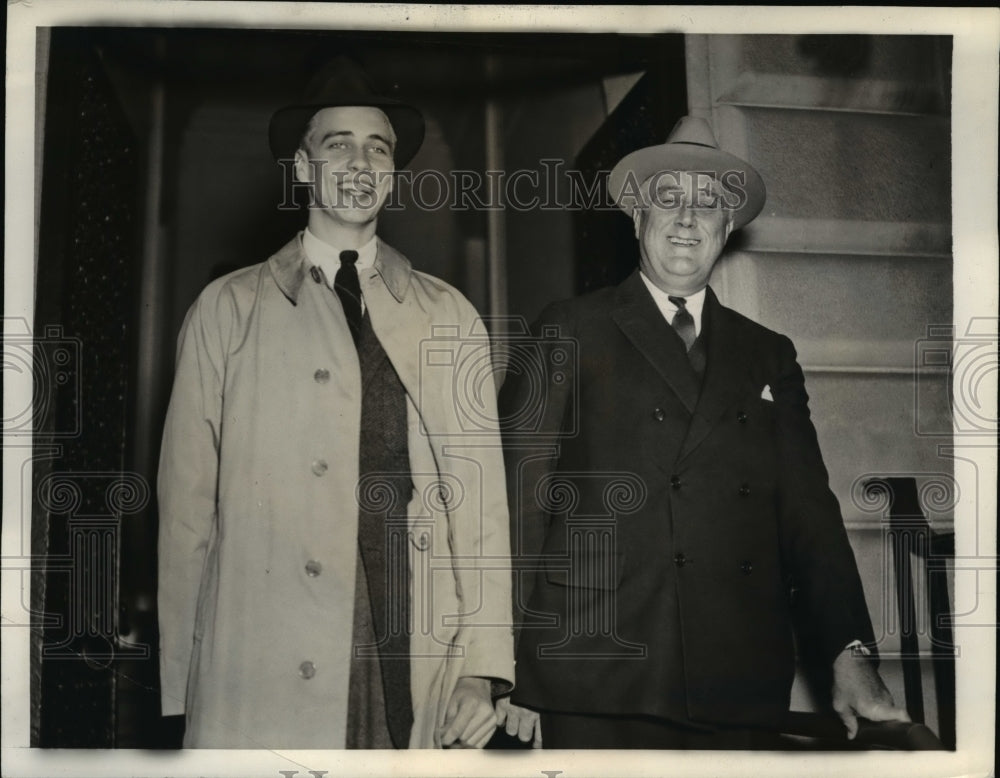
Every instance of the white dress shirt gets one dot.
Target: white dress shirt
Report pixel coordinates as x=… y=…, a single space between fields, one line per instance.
x=327 y=258
x=695 y=303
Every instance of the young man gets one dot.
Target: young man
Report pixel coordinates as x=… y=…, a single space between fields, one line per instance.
x=321 y=577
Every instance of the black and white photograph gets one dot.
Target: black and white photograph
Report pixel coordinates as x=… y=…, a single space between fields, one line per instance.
x=598 y=390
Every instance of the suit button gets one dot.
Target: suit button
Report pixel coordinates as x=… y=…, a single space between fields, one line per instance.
x=741 y=417
x=658 y=414
x=321 y=376
x=307 y=670
x=746 y=567
x=675 y=481
x=319 y=466
x=744 y=490
x=313 y=568
x=680 y=560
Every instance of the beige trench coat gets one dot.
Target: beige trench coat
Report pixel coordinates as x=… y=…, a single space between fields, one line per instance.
x=257 y=481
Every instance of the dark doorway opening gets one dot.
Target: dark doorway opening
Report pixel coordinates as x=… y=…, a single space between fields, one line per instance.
x=157 y=178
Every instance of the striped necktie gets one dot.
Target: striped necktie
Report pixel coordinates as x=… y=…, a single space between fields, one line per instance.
x=683 y=322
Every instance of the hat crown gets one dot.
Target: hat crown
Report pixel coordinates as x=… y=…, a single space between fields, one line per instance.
x=694 y=130
x=342 y=82
x=338 y=81
x=691 y=145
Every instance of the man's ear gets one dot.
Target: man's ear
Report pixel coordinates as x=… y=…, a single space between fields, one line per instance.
x=303 y=170
x=637 y=214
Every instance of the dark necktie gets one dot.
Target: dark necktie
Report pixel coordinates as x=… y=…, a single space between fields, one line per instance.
x=348 y=289
x=683 y=322
x=380 y=709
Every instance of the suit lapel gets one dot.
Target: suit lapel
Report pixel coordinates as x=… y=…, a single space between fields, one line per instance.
x=637 y=316
x=727 y=356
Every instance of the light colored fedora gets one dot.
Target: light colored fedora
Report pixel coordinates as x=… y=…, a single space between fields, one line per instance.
x=691 y=146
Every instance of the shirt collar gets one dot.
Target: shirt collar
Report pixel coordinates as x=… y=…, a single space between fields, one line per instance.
x=327 y=258
x=695 y=302
x=289 y=268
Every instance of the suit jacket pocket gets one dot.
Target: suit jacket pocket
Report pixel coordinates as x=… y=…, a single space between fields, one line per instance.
x=761 y=408
x=586 y=569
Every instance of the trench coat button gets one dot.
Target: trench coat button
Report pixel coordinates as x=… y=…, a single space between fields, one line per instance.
x=319 y=466
x=675 y=481
x=680 y=560
x=741 y=417
x=746 y=567
x=307 y=670
x=321 y=376
x=658 y=414
x=313 y=568
x=744 y=490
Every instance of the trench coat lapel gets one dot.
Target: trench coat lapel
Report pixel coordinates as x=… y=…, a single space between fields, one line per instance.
x=728 y=353
x=397 y=317
x=288 y=267
x=399 y=321
x=637 y=316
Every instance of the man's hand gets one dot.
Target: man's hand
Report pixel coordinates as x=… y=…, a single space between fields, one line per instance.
x=469 y=720
x=858 y=691
x=523 y=723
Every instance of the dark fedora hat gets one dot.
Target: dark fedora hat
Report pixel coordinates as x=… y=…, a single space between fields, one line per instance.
x=342 y=82
x=691 y=146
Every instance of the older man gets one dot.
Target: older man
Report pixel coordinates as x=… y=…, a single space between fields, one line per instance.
x=316 y=484
x=668 y=495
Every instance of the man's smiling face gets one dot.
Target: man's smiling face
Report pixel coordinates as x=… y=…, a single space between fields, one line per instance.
x=349 y=150
x=682 y=230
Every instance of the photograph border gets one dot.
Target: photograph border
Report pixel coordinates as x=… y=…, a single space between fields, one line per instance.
x=975 y=276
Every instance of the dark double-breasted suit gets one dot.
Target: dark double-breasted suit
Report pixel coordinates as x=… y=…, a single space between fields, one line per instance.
x=660 y=525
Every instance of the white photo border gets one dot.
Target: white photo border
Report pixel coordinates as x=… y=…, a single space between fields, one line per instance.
x=974 y=199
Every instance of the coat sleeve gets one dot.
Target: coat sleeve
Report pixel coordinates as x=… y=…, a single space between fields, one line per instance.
x=479 y=540
x=186 y=490
x=829 y=596
x=540 y=381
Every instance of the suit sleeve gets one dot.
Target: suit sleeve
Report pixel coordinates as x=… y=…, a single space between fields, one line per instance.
x=186 y=489
x=541 y=380
x=815 y=546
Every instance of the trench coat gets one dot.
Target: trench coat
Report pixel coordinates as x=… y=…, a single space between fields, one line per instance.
x=258 y=498
x=669 y=536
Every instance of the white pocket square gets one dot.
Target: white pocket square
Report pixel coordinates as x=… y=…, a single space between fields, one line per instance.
x=766 y=393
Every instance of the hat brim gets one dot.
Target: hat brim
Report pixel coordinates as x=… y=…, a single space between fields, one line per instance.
x=734 y=173
x=287 y=125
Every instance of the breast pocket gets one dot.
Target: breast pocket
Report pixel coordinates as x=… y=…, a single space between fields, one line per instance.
x=755 y=413
x=764 y=408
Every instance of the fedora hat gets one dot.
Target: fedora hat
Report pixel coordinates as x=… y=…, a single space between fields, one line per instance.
x=343 y=83
x=691 y=146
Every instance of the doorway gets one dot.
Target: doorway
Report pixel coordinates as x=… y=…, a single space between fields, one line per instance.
x=179 y=188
